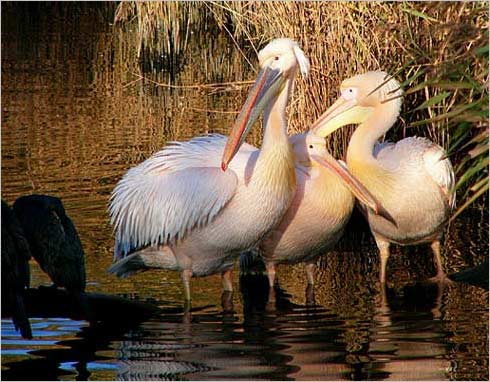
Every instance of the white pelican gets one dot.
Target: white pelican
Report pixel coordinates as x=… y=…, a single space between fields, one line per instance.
x=412 y=179
x=321 y=208
x=180 y=209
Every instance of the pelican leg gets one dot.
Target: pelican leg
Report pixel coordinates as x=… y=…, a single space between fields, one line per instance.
x=310 y=295
x=310 y=273
x=271 y=273
x=270 y=306
x=186 y=278
x=227 y=301
x=436 y=250
x=227 y=280
x=384 y=254
x=440 y=275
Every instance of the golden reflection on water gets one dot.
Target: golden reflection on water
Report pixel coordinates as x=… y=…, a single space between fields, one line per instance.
x=76 y=115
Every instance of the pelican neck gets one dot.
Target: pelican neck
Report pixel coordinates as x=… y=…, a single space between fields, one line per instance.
x=368 y=133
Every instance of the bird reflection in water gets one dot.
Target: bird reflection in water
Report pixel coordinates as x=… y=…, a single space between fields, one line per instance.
x=352 y=333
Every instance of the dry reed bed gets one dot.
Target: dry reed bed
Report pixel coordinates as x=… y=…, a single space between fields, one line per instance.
x=438 y=50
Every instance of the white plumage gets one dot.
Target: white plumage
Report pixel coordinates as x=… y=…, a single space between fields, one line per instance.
x=176 y=190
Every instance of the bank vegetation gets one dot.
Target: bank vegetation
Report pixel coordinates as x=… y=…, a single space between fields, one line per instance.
x=437 y=50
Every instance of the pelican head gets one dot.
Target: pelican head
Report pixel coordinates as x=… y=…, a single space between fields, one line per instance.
x=310 y=151
x=279 y=62
x=305 y=146
x=359 y=97
x=284 y=55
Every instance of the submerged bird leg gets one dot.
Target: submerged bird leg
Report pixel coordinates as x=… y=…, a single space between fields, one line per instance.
x=227 y=301
x=227 y=280
x=384 y=299
x=436 y=310
x=271 y=273
x=436 y=249
x=440 y=275
x=384 y=254
x=310 y=273
x=310 y=295
x=227 y=295
x=186 y=278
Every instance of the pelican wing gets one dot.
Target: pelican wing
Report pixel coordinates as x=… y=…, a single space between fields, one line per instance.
x=415 y=154
x=176 y=190
x=440 y=169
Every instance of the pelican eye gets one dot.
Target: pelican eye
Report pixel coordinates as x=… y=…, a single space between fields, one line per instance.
x=311 y=146
x=349 y=93
x=276 y=58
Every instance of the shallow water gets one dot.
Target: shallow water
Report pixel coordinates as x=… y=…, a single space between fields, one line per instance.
x=75 y=117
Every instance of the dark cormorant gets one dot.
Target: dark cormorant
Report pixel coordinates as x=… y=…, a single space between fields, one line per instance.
x=53 y=240
x=15 y=270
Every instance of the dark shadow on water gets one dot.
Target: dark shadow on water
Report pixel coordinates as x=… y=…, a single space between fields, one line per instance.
x=402 y=336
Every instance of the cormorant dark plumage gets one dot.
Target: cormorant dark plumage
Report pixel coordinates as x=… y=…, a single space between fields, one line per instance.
x=53 y=240
x=15 y=270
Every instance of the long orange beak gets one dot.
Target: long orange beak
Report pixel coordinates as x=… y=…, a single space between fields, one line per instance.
x=356 y=187
x=266 y=88
x=342 y=112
